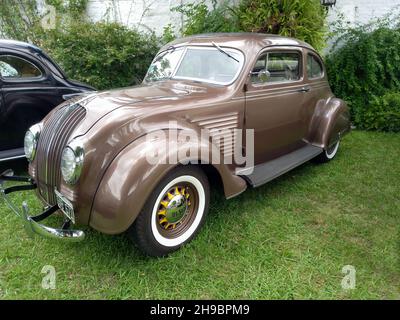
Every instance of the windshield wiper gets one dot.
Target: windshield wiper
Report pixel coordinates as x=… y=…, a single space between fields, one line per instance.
x=224 y=52
x=170 y=49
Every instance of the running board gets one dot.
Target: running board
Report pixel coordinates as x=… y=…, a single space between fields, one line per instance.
x=270 y=170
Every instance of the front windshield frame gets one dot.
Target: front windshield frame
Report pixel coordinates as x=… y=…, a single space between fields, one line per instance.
x=198 y=47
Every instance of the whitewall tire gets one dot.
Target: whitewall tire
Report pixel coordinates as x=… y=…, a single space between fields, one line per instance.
x=174 y=212
x=329 y=153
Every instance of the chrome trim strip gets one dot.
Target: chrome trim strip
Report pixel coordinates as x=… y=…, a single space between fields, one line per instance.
x=12 y=158
x=271 y=95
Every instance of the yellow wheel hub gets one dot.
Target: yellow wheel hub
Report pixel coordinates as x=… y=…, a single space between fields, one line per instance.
x=173 y=208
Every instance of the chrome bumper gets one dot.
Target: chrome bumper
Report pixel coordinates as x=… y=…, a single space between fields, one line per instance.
x=31 y=222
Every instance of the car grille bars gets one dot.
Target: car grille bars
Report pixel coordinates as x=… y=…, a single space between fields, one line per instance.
x=53 y=139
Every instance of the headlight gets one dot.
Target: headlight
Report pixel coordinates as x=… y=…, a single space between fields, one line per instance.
x=71 y=163
x=31 y=141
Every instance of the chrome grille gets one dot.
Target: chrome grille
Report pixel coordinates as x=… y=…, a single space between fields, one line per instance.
x=53 y=139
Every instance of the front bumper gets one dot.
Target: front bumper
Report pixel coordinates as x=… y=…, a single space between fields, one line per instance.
x=31 y=222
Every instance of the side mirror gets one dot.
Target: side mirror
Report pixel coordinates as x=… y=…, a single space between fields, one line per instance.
x=261 y=76
x=264 y=75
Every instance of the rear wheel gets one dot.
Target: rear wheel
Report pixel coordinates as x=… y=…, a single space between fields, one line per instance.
x=329 y=153
x=174 y=212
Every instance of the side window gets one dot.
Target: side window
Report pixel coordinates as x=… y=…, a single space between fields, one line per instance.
x=15 y=68
x=314 y=67
x=277 y=67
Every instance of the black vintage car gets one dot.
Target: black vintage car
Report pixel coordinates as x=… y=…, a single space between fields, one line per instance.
x=31 y=84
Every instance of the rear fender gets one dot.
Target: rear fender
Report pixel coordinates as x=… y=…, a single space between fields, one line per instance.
x=331 y=120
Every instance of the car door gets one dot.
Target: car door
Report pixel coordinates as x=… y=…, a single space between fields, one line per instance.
x=275 y=102
x=28 y=94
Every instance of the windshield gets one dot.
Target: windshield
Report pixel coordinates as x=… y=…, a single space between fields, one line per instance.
x=205 y=64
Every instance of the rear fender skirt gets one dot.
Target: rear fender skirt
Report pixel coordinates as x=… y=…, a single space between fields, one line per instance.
x=331 y=120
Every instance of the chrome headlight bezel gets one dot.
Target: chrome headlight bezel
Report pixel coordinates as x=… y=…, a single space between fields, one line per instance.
x=33 y=133
x=72 y=162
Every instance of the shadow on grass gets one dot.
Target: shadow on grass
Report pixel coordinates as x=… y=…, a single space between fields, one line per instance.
x=120 y=248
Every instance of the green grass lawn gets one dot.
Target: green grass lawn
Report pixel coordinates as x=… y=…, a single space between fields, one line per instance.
x=288 y=239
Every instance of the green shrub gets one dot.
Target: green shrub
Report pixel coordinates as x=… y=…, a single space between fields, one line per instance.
x=364 y=65
x=105 y=55
x=302 y=19
x=383 y=113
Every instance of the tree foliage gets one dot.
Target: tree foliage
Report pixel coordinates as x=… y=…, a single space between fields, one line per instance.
x=301 y=19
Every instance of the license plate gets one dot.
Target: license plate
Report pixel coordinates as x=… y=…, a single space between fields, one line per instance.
x=65 y=206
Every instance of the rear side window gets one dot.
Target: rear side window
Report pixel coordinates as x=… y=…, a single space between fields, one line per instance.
x=314 y=67
x=15 y=68
x=275 y=67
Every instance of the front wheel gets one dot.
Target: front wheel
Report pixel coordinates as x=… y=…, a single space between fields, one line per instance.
x=329 y=153
x=174 y=212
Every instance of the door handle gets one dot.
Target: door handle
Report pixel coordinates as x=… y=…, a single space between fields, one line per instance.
x=305 y=89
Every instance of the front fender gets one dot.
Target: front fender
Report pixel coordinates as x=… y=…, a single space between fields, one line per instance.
x=130 y=179
x=331 y=120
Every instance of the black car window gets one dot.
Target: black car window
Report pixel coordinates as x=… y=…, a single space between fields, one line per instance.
x=314 y=67
x=14 y=68
x=274 y=67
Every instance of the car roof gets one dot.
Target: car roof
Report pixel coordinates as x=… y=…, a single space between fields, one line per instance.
x=240 y=40
x=19 y=45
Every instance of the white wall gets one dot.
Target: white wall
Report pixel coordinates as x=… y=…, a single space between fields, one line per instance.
x=361 y=11
x=144 y=14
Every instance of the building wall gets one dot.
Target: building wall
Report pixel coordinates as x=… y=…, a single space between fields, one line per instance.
x=361 y=11
x=144 y=14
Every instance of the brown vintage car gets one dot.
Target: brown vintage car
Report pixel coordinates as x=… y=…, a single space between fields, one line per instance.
x=249 y=107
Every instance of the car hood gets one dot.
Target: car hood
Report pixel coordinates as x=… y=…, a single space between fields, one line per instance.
x=138 y=99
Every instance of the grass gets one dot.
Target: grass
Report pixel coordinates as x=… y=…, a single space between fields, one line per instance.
x=288 y=239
